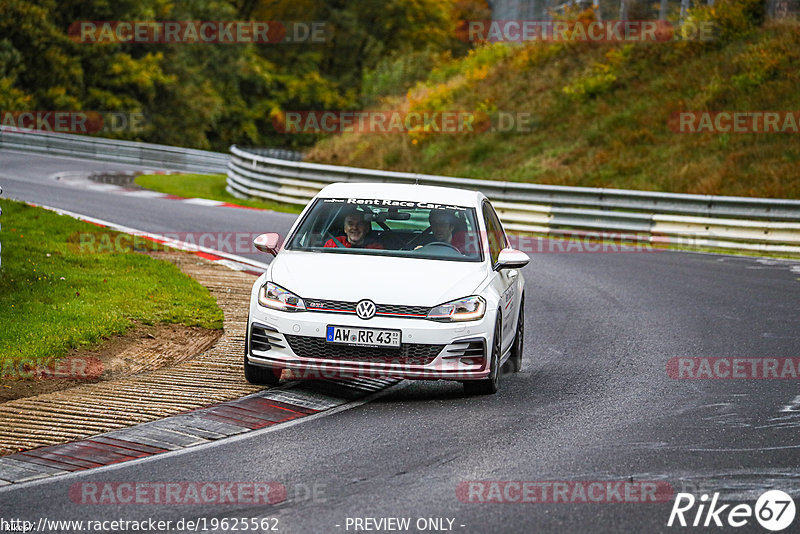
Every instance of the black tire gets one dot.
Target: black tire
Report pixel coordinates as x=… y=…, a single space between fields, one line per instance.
x=261 y=376
x=256 y=374
x=519 y=338
x=489 y=385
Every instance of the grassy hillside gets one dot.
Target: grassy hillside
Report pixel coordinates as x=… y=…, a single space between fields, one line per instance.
x=601 y=113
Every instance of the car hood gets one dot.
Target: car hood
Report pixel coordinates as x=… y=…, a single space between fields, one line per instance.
x=384 y=280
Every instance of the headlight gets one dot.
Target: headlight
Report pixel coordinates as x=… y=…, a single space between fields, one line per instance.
x=274 y=296
x=466 y=309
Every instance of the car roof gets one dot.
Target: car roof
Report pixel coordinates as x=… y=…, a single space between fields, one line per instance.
x=408 y=192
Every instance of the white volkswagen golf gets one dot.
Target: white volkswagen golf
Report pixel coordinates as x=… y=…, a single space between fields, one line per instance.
x=389 y=280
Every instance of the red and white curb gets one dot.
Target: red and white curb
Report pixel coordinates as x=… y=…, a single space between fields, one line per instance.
x=265 y=409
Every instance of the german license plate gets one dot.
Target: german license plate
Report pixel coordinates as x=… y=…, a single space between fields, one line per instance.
x=363 y=337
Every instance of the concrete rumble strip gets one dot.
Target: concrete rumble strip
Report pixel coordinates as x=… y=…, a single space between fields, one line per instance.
x=96 y=424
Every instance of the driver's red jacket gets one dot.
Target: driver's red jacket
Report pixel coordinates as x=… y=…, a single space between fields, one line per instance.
x=345 y=243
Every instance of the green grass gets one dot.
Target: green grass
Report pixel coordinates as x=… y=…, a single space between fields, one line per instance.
x=209 y=186
x=56 y=294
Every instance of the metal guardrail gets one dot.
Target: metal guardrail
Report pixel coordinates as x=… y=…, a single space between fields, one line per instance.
x=117 y=151
x=98 y=148
x=279 y=153
x=759 y=224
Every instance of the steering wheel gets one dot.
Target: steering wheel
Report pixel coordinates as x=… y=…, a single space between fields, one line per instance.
x=411 y=244
x=440 y=243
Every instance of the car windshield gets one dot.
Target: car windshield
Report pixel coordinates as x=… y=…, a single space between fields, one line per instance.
x=387 y=227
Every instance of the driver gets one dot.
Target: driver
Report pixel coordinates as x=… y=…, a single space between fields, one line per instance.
x=358 y=232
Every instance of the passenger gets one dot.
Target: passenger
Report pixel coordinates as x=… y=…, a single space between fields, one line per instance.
x=446 y=227
x=358 y=233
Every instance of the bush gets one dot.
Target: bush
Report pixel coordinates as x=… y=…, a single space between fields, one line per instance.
x=395 y=75
x=601 y=78
x=732 y=19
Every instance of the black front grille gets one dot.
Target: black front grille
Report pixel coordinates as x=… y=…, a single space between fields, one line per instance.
x=408 y=354
x=391 y=309
x=330 y=305
x=386 y=310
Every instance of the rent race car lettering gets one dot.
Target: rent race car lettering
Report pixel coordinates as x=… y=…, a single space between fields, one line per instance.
x=400 y=204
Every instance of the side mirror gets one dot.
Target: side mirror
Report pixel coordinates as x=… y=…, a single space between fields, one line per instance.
x=267 y=243
x=510 y=258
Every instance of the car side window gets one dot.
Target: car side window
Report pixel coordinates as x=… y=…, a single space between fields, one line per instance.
x=494 y=232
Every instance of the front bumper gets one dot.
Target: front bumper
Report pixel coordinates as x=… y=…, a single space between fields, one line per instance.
x=430 y=350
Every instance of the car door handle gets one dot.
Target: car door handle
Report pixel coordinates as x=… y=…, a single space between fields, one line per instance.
x=512 y=274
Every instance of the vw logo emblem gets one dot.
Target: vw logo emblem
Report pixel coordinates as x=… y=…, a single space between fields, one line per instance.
x=365 y=309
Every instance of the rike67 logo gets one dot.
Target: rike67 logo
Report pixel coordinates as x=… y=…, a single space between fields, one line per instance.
x=774 y=510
